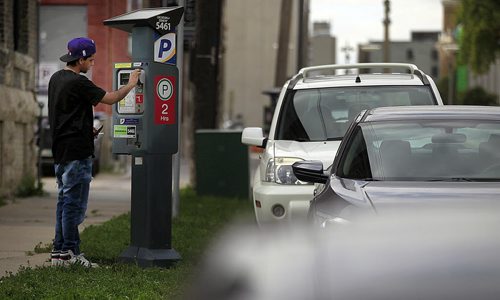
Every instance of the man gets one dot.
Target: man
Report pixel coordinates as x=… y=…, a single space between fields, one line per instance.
x=71 y=97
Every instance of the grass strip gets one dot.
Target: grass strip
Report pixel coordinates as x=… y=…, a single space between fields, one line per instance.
x=198 y=223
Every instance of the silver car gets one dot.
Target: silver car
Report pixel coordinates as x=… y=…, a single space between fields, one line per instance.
x=410 y=157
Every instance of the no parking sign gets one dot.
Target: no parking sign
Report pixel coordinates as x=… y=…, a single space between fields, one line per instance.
x=165 y=95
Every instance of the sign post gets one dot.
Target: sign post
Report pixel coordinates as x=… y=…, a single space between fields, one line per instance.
x=145 y=126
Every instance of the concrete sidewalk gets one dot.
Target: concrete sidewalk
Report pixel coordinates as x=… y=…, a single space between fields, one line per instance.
x=27 y=222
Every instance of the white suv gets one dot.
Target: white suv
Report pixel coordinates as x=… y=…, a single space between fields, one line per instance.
x=313 y=112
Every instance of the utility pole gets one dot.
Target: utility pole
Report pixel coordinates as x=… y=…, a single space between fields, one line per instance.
x=347 y=50
x=205 y=63
x=204 y=70
x=303 y=34
x=283 y=41
x=387 y=22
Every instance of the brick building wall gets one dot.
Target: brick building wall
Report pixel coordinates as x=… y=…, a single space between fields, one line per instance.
x=18 y=109
x=112 y=44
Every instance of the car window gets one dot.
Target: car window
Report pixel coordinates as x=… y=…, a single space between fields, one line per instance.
x=355 y=163
x=426 y=150
x=325 y=114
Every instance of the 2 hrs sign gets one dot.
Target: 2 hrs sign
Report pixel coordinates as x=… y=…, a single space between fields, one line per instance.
x=165 y=106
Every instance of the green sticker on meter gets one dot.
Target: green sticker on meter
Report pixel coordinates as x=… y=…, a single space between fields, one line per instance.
x=124 y=131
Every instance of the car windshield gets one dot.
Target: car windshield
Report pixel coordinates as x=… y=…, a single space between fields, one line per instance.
x=439 y=150
x=326 y=113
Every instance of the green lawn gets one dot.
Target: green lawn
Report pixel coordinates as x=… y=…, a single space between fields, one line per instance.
x=199 y=221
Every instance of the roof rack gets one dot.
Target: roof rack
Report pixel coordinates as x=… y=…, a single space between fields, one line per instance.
x=410 y=67
x=422 y=77
x=413 y=70
x=294 y=81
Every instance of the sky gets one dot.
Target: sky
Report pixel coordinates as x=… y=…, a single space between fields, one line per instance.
x=360 y=21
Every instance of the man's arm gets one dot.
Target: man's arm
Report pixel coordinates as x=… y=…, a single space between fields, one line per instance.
x=113 y=97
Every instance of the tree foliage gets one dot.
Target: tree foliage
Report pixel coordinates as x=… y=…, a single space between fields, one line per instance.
x=478 y=96
x=480 y=42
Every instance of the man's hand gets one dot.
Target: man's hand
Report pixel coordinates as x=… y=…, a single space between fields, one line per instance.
x=113 y=97
x=134 y=77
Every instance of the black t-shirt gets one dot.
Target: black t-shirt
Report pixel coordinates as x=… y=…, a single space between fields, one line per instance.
x=71 y=97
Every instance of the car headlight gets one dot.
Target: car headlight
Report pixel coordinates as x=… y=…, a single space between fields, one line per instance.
x=279 y=170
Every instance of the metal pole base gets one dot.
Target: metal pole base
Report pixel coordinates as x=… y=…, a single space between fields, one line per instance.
x=147 y=258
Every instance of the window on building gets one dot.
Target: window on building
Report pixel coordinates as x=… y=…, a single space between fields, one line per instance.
x=409 y=54
x=434 y=54
x=20 y=25
x=434 y=71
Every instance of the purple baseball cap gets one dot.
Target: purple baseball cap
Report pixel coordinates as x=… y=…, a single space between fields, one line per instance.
x=79 y=48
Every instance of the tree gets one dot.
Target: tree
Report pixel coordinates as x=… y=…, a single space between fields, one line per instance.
x=283 y=41
x=478 y=96
x=480 y=40
x=442 y=86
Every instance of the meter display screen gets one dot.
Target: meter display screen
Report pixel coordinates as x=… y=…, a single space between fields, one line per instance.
x=133 y=103
x=124 y=79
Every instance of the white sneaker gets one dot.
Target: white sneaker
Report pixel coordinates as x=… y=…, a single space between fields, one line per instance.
x=55 y=258
x=67 y=258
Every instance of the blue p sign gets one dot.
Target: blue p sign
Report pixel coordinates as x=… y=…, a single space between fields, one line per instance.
x=165 y=45
x=165 y=48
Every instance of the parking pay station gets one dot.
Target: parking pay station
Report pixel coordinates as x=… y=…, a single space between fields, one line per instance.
x=145 y=126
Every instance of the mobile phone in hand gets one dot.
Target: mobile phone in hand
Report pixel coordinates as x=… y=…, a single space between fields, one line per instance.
x=98 y=131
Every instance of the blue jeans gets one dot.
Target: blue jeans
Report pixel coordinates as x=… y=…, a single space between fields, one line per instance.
x=73 y=182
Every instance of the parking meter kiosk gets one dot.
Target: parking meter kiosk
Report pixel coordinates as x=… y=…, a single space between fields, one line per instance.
x=145 y=126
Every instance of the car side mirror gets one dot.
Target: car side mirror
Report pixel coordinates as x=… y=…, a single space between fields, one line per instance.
x=310 y=171
x=254 y=136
